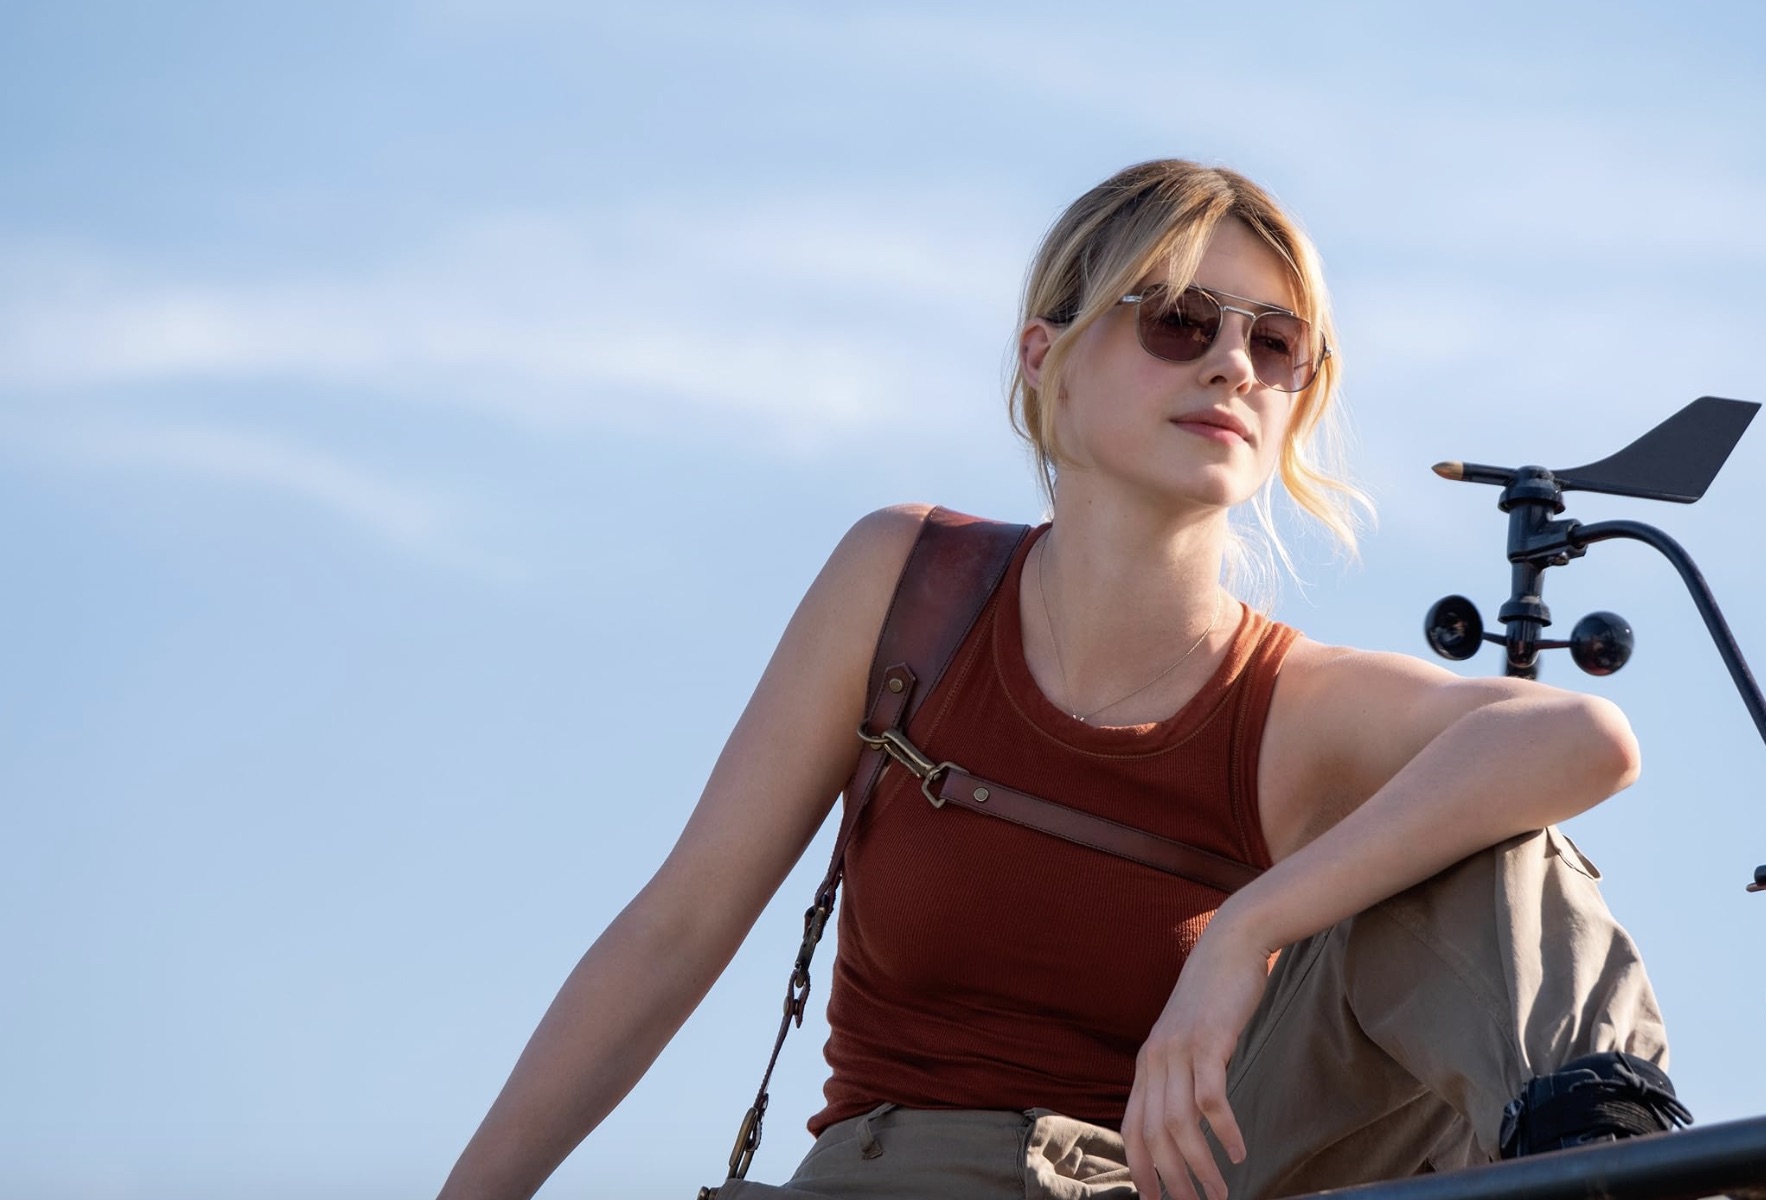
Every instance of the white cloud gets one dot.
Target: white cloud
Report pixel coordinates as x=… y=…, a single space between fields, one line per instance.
x=795 y=327
x=1501 y=151
x=401 y=515
x=409 y=518
x=540 y=321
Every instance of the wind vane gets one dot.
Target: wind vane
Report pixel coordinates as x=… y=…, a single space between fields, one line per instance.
x=1676 y=461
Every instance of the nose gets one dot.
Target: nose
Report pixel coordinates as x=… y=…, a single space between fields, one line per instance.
x=1228 y=360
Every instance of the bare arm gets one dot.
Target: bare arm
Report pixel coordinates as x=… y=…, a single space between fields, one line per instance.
x=775 y=781
x=1386 y=770
x=1380 y=771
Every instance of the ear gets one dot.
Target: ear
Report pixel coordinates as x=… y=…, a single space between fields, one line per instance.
x=1033 y=348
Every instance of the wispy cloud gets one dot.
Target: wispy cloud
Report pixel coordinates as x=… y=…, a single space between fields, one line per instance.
x=1496 y=165
x=539 y=321
x=791 y=327
x=410 y=518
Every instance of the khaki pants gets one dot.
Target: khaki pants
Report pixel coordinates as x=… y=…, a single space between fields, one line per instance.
x=1384 y=1047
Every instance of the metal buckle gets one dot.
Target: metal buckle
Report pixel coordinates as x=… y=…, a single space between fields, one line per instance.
x=926 y=783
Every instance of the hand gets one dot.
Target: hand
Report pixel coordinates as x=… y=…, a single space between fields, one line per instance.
x=1180 y=1073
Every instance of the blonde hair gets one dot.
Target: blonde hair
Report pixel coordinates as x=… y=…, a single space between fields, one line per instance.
x=1163 y=213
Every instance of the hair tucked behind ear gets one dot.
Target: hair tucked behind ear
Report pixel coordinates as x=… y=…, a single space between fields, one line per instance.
x=1162 y=213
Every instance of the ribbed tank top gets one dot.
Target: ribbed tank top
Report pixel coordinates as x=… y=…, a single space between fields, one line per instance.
x=985 y=965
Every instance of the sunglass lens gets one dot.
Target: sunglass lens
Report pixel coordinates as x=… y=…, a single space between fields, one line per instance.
x=1181 y=328
x=1281 y=351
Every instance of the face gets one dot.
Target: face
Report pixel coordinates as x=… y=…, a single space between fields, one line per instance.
x=1200 y=433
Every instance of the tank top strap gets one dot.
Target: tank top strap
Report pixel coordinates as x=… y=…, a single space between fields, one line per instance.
x=1271 y=642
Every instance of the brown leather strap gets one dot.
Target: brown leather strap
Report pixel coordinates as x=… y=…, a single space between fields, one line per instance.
x=959 y=787
x=954 y=568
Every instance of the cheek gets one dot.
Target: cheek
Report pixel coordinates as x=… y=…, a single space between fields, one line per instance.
x=1090 y=397
x=1276 y=427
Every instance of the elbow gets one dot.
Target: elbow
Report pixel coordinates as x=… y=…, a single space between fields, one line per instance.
x=1610 y=751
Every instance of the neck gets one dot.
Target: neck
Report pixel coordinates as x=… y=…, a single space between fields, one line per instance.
x=1124 y=591
x=1119 y=562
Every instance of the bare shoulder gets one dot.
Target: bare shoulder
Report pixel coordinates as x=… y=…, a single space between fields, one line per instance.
x=1315 y=670
x=1343 y=721
x=1330 y=685
x=850 y=596
x=877 y=546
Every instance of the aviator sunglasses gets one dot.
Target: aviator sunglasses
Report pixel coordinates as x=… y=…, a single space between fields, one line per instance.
x=1284 y=351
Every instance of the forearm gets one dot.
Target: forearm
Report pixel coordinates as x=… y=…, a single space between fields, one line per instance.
x=617 y=1010
x=1505 y=768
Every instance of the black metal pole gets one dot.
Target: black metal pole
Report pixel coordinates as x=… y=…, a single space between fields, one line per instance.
x=1583 y=535
x=1531 y=499
x=1685 y=1165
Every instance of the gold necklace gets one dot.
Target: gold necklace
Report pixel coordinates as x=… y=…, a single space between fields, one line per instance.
x=1048 y=624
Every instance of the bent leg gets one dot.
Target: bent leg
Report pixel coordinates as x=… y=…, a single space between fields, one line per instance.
x=1391 y=1043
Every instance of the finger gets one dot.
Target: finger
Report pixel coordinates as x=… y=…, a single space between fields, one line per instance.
x=1169 y=1162
x=1183 y=1127
x=1141 y=1169
x=1211 y=1099
x=1150 y=1152
x=1152 y=1156
x=1134 y=1145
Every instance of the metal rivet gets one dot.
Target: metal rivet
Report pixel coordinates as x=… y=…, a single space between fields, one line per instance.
x=895 y=685
x=981 y=795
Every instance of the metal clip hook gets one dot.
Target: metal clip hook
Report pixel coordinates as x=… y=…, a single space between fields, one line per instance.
x=894 y=743
x=747 y=1141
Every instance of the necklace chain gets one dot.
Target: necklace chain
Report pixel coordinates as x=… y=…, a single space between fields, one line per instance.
x=1048 y=624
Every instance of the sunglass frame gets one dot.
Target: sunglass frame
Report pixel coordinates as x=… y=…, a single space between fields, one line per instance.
x=1310 y=368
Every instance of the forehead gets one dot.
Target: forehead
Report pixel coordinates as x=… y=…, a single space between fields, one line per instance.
x=1236 y=260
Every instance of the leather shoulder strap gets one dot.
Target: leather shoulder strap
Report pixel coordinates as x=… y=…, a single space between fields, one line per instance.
x=978 y=795
x=956 y=565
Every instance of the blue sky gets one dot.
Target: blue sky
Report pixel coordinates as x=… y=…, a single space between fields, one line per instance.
x=417 y=422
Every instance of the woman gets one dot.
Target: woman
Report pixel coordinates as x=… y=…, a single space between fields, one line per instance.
x=1005 y=997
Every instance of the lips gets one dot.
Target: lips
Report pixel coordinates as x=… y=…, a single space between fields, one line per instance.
x=1215 y=419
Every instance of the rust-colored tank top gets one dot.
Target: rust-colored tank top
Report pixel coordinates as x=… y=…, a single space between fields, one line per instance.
x=985 y=965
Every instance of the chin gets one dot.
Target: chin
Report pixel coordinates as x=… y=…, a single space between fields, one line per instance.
x=1194 y=492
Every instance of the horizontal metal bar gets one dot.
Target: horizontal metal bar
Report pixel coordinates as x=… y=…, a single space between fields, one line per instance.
x=1685 y=1165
